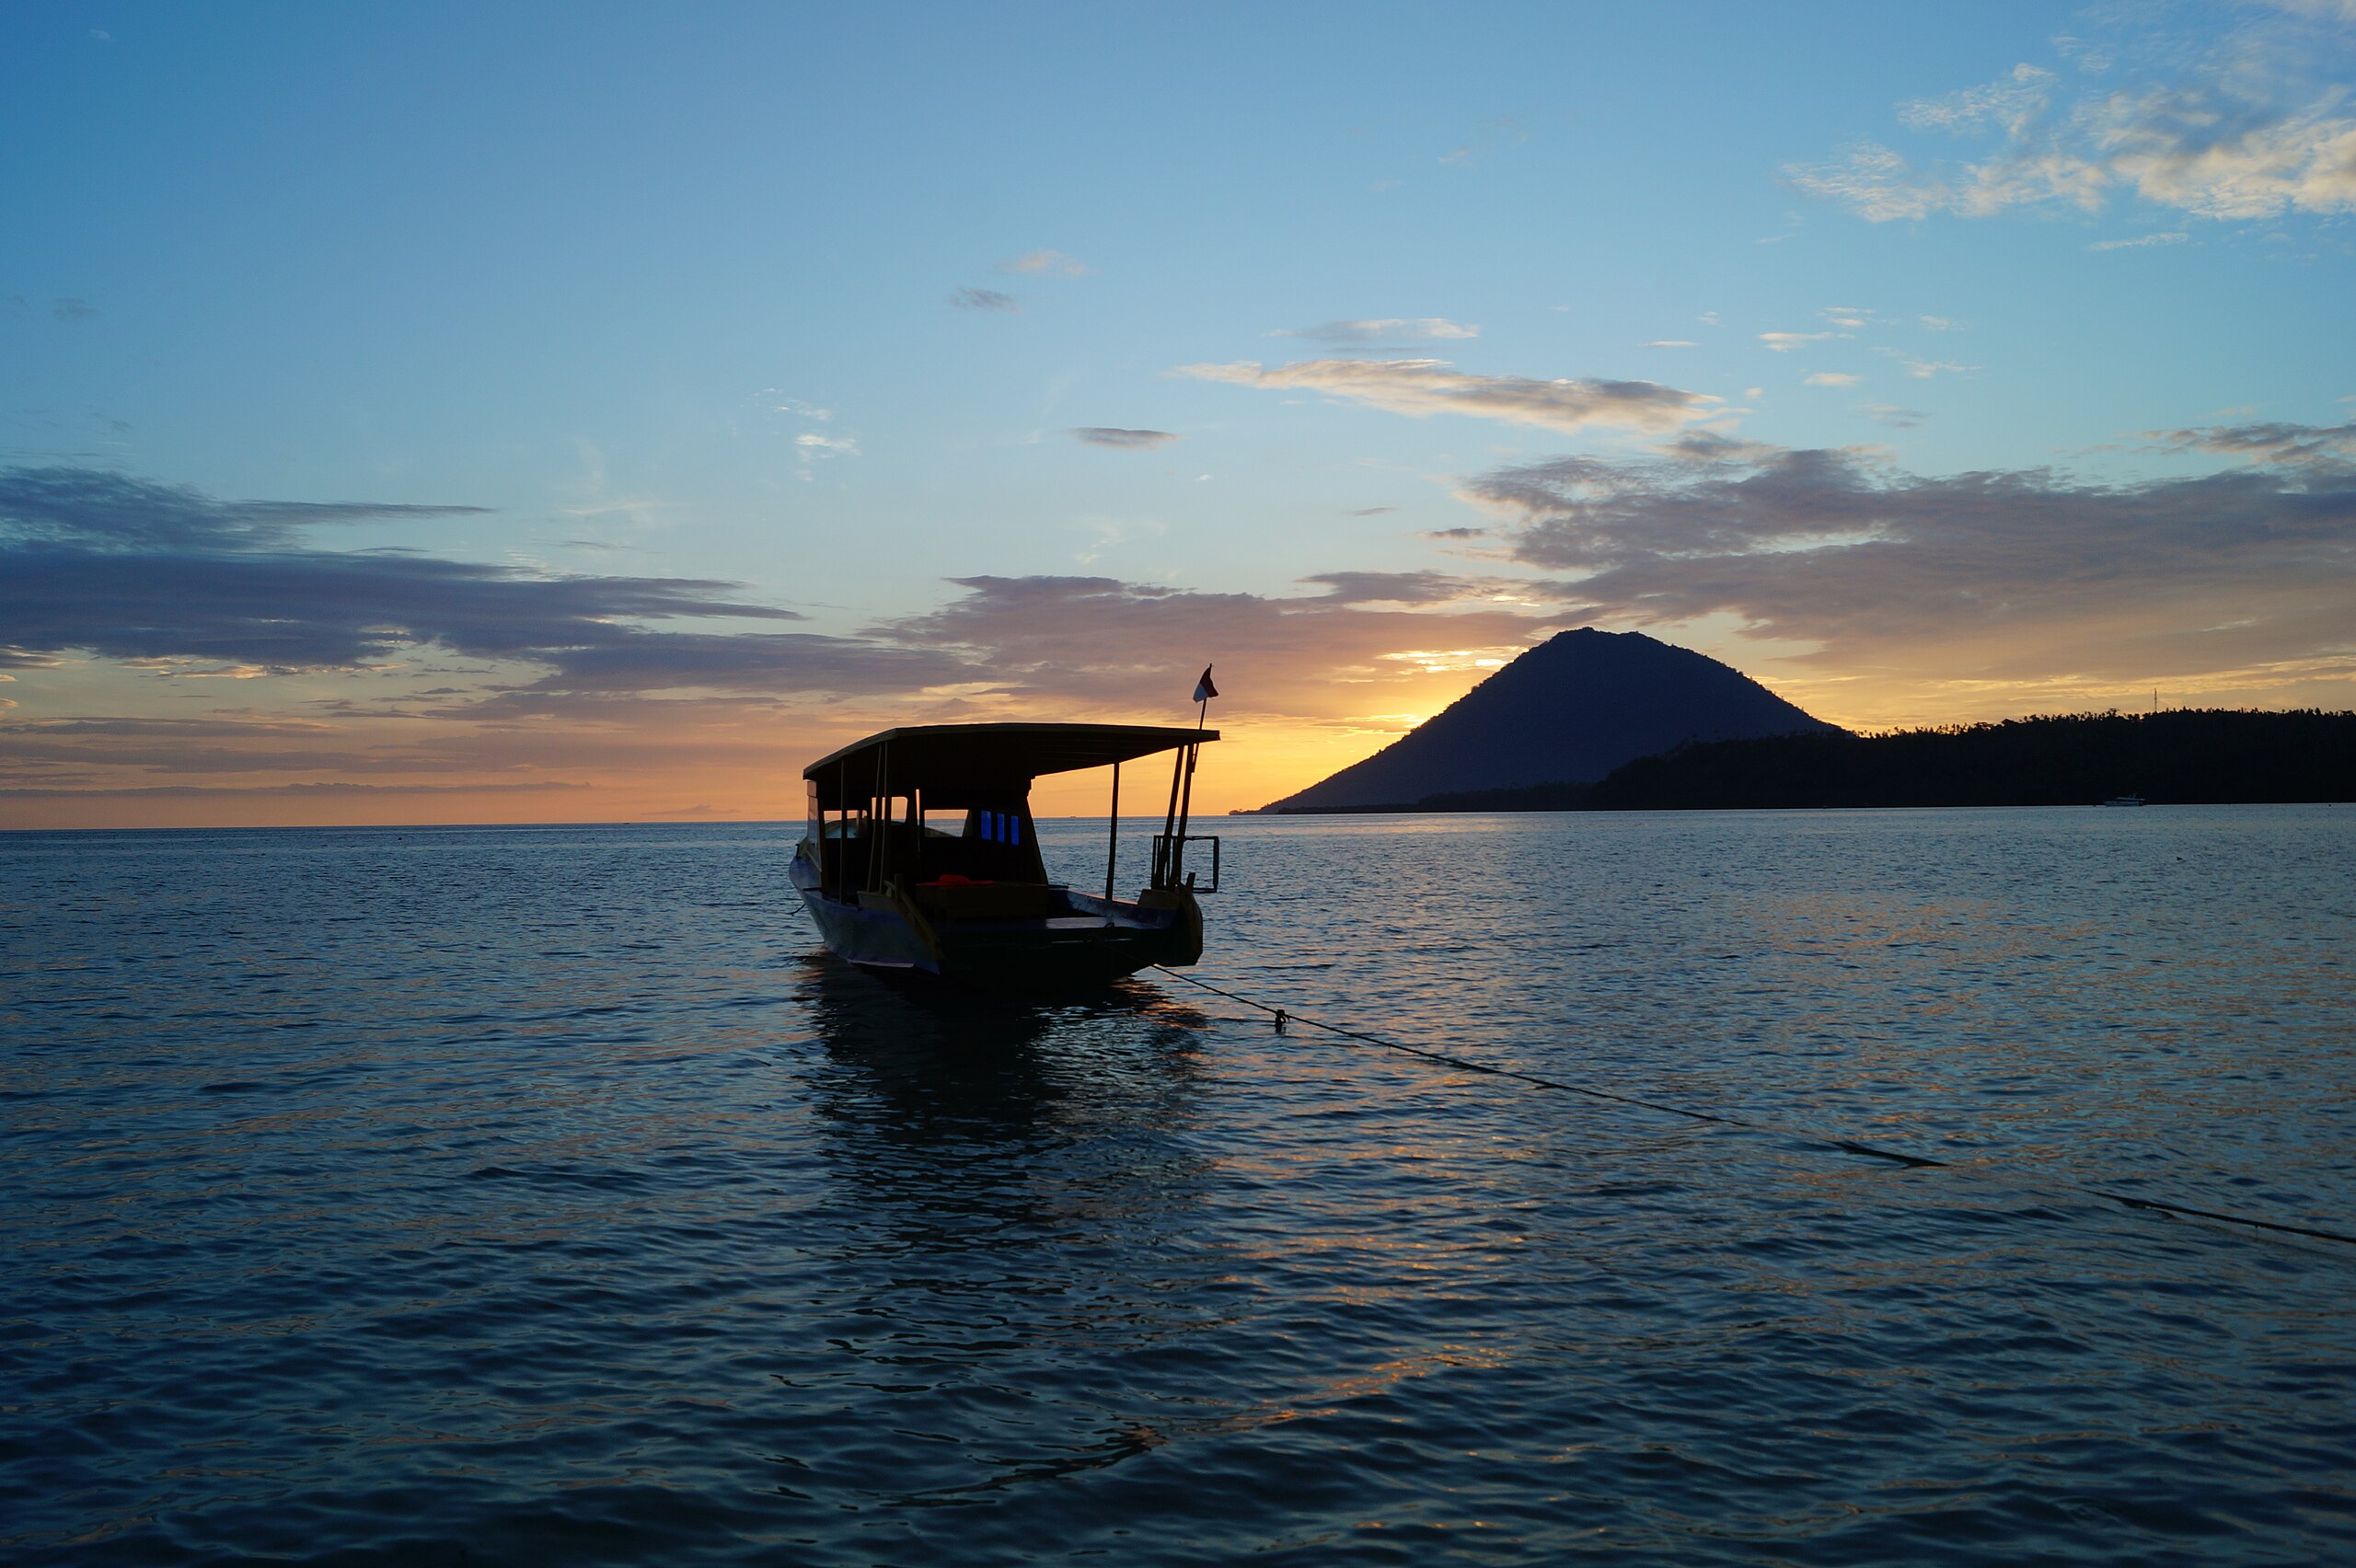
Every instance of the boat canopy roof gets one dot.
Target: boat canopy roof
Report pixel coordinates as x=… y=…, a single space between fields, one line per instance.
x=950 y=761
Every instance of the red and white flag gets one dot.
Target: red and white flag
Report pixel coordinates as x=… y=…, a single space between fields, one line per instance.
x=1203 y=690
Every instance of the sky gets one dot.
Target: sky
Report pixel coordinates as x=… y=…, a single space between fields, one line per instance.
x=576 y=412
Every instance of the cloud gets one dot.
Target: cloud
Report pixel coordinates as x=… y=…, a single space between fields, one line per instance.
x=2008 y=103
x=1923 y=369
x=1941 y=323
x=129 y=568
x=108 y=511
x=1419 y=388
x=1784 y=342
x=73 y=309
x=984 y=299
x=2205 y=154
x=331 y=790
x=810 y=448
x=1832 y=378
x=2000 y=575
x=1714 y=446
x=772 y=662
x=317 y=610
x=1895 y=417
x=1669 y=343
x=2229 y=140
x=166 y=578
x=2145 y=242
x=2273 y=443
x=1103 y=645
x=1375 y=333
x=2088 y=57
x=1399 y=587
x=1881 y=186
x=1122 y=440
x=1046 y=264
x=200 y=747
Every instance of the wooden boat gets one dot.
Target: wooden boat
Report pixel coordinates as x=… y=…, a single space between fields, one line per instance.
x=970 y=902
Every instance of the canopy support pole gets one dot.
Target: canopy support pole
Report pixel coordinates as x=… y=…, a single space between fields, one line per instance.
x=1162 y=876
x=879 y=819
x=1112 y=843
x=1185 y=810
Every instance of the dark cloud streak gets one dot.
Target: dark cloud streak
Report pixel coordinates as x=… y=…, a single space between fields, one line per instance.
x=96 y=509
x=1122 y=440
x=1396 y=587
x=2004 y=574
x=132 y=569
x=2273 y=443
x=330 y=790
x=309 y=609
x=749 y=662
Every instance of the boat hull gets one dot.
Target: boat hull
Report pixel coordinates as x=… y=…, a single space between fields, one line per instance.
x=1083 y=940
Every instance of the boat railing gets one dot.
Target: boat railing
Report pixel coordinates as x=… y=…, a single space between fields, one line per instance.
x=1168 y=854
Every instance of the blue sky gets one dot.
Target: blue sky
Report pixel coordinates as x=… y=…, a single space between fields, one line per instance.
x=1927 y=362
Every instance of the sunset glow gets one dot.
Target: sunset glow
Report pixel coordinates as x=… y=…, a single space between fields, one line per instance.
x=601 y=419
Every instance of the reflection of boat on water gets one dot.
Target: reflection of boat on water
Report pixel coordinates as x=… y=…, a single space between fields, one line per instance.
x=891 y=891
x=2124 y=801
x=946 y=1049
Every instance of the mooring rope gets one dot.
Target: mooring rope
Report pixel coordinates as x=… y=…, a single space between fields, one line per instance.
x=1827 y=1140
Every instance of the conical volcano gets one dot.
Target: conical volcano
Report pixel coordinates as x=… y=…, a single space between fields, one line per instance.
x=1569 y=711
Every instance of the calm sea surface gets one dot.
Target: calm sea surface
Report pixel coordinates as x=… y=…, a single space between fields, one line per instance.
x=507 y=1195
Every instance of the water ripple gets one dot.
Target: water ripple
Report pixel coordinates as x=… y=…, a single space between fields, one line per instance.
x=540 y=1194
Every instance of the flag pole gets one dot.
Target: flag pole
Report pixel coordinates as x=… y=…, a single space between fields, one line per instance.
x=1204 y=692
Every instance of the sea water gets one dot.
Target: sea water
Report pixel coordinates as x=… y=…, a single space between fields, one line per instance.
x=545 y=1194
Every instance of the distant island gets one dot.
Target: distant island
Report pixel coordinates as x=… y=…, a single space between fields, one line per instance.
x=2181 y=757
x=1569 y=711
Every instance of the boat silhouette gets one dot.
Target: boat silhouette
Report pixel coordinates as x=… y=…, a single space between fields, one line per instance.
x=890 y=892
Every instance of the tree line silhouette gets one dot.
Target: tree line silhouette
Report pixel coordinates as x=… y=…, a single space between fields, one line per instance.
x=2181 y=757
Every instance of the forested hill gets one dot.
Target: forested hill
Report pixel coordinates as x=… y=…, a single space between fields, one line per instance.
x=2185 y=756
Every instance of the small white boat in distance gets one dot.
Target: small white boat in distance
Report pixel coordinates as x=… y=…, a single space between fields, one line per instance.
x=2124 y=801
